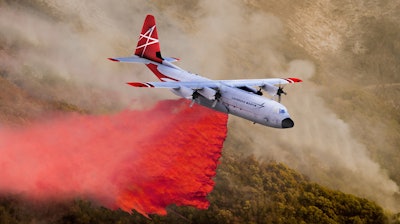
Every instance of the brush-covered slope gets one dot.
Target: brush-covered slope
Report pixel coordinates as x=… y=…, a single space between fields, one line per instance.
x=246 y=191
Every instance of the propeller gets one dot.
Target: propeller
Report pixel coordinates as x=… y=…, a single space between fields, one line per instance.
x=195 y=95
x=217 y=96
x=259 y=92
x=279 y=92
x=274 y=90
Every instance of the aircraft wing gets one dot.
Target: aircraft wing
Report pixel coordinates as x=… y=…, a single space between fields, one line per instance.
x=260 y=82
x=215 y=84
x=176 y=85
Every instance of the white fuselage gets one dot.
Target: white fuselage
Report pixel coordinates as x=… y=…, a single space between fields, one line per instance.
x=231 y=100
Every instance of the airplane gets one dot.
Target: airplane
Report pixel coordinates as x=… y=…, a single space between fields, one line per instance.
x=242 y=98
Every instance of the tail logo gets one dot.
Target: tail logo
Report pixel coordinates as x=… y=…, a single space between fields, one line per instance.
x=149 y=40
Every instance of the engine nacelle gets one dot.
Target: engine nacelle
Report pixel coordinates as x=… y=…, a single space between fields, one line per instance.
x=208 y=93
x=184 y=92
x=270 y=89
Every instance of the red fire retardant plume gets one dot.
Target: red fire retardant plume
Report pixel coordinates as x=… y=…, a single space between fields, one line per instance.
x=141 y=160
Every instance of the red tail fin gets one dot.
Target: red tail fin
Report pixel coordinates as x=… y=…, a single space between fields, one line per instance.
x=148 y=45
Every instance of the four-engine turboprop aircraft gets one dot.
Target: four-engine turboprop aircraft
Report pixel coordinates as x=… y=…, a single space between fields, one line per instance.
x=238 y=97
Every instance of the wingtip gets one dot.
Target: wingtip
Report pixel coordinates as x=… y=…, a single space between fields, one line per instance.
x=135 y=84
x=293 y=80
x=139 y=84
x=113 y=59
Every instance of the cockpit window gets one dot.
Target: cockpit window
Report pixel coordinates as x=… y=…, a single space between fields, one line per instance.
x=282 y=111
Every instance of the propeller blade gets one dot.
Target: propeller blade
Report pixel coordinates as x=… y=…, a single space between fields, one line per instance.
x=279 y=93
x=214 y=103
x=191 y=103
x=217 y=96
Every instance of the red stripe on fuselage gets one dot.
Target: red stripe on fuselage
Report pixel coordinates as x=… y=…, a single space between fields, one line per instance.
x=159 y=75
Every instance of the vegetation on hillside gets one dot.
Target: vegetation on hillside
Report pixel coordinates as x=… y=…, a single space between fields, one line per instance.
x=246 y=191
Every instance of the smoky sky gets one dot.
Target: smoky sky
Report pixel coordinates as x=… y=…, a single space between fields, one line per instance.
x=219 y=40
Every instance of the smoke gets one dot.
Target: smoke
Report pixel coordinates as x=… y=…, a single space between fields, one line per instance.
x=57 y=45
x=246 y=42
x=321 y=146
x=142 y=160
x=220 y=40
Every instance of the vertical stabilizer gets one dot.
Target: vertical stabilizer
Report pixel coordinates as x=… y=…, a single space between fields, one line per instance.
x=148 y=45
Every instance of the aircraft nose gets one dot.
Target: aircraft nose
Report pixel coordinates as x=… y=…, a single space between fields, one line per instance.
x=287 y=123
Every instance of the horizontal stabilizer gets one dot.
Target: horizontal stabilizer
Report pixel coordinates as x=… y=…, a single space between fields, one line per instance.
x=171 y=59
x=140 y=84
x=131 y=59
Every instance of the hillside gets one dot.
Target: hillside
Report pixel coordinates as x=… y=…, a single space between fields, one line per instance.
x=247 y=191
